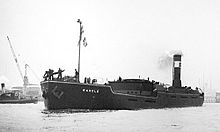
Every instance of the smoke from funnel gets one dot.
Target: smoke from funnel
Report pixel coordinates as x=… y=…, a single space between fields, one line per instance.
x=165 y=61
x=3 y=79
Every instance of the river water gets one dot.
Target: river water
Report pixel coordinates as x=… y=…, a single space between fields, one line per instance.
x=34 y=117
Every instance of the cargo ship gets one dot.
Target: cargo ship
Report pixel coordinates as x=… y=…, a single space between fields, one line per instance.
x=124 y=94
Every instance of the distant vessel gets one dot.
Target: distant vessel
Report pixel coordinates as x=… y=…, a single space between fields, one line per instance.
x=130 y=94
x=27 y=94
x=217 y=97
x=15 y=97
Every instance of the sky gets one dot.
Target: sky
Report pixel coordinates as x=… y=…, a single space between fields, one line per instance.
x=127 y=38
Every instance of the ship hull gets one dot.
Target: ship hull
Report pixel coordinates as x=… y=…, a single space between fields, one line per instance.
x=21 y=101
x=70 y=95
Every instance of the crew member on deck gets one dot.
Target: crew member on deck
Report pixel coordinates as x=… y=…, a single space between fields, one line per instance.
x=119 y=79
x=85 y=80
x=76 y=75
x=89 y=80
x=46 y=75
x=50 y=74
x=60 y=73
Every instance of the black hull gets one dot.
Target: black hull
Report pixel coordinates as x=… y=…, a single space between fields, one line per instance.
x=70 y=95
x=21 y=101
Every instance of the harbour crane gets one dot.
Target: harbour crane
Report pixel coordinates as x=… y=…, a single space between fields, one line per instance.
x=24 y=78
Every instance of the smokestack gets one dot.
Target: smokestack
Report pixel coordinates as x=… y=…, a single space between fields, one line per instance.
x=177 y=70
x=3 y=86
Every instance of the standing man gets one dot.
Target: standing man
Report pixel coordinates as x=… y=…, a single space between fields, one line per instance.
x=46 y=76
x=77 y=75
x=51 y=74
x=60 y=73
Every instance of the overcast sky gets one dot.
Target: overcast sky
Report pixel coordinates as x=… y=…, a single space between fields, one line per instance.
x=126 y=38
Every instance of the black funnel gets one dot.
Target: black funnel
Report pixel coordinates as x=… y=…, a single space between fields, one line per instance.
x=2 y=85
x=177 y=70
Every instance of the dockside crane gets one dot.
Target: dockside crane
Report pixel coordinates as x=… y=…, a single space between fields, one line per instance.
x=24 y=78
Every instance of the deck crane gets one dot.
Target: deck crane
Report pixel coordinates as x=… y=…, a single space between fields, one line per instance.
x=24 y=78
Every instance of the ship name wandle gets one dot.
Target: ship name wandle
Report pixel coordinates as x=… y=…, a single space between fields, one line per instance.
x=91 y=91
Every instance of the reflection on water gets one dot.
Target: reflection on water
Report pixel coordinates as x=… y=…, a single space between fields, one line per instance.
x=33 y=117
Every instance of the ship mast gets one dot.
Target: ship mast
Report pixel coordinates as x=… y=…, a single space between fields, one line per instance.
x=79 y=44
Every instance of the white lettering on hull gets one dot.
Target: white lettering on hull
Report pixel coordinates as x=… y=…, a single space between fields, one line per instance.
x=91 y=91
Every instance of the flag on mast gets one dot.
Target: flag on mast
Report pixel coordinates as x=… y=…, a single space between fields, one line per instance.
x=85 y=42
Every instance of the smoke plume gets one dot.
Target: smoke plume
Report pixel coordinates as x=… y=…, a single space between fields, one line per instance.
x=166 y=59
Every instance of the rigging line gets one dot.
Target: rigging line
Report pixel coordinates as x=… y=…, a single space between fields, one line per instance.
x=24 y=62
x=36 y=76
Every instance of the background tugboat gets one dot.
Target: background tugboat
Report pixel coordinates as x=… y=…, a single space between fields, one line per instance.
x=28 y=93
x=68 y=92
x=15 y=97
